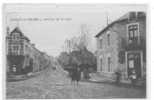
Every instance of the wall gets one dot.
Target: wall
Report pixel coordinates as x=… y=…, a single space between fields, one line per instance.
x=108 y=51
x=121 y=29
x=118 y=39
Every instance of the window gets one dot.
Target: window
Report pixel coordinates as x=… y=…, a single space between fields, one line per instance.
x=16 y=36
x=100 y=43
x=15 y=48
x=108 y=39
x=109 y=64
x=21 y=52
x=21 y=47
x=9 y=49
x=10 y=41
x=133 y=33
x=101 y=64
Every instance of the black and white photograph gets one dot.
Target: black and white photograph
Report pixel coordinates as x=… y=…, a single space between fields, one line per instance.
x=75 y=51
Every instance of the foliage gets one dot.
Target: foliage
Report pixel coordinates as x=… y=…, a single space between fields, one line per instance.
x=63 y=59
x=84 y=58
x=78 y=53
x=81 y=57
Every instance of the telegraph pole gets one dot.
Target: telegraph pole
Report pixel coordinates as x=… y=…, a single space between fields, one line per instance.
x=107 y=18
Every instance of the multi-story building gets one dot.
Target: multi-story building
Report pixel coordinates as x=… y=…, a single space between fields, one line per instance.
x=22 y=56
x=121 y=46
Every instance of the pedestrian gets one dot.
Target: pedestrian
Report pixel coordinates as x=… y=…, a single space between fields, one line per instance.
x=118 y=76
x=75 y=75
x=133 y=77
x=71 y=74
x=78 y=75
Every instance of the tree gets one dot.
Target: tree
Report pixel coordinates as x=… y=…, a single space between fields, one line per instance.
x=77 y=42
x=83 y=58
x=76 y=49
x=63 y=59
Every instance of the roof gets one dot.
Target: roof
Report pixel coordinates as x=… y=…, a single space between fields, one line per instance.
x=17 y=30
x=123 y=18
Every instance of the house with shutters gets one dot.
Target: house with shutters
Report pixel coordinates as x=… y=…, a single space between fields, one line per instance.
x=121 y=46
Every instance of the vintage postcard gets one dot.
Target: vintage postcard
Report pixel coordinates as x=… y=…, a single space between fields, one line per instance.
x=75 y=51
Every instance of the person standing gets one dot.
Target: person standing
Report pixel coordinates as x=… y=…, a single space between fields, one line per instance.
x=133 y=77
x=78 y=75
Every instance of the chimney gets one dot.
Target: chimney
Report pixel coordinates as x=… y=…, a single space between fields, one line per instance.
x=132 y=16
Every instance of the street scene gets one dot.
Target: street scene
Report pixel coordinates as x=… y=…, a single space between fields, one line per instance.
x=75 y=51
x=56 y=85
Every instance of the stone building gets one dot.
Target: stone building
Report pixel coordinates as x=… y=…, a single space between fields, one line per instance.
x=22 y=55
x=121 y=46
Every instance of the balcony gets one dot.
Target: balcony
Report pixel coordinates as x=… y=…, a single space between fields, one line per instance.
x=135 y=45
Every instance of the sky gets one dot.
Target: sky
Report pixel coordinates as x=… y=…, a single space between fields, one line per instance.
x=49 y=25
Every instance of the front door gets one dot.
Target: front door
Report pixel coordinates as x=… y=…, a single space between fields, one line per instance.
x=134 y=63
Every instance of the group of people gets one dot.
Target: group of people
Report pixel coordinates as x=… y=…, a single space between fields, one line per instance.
x=75 y=75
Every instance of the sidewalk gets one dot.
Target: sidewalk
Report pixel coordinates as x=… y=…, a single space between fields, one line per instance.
x=11 y=78
x=97 y=78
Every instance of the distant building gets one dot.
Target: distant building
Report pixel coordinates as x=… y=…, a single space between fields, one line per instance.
x=122 y=46
x=22 y=56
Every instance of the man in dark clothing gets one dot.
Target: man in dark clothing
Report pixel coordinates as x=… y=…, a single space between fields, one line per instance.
x=78 y=75
x=118 y=76
x=75 y=75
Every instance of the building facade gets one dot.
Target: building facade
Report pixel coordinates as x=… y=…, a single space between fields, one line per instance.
x=121 y=46
x=22 y=55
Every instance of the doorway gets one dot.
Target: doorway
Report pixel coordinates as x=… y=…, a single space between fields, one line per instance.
x=134 y=62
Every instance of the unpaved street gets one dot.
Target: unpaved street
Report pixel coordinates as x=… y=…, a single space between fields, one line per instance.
x=55 y=84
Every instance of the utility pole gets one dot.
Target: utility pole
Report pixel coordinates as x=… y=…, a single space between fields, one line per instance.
x=107 y=18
